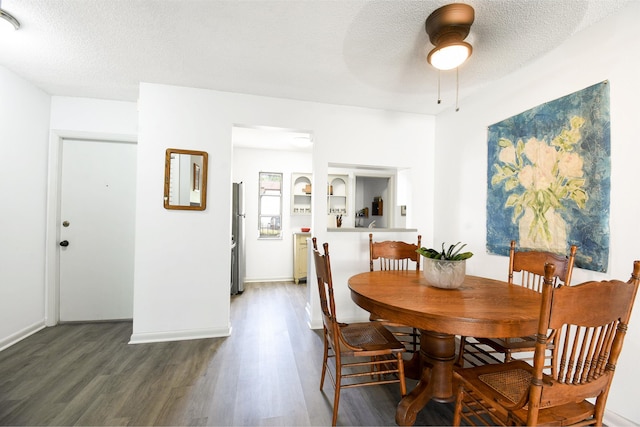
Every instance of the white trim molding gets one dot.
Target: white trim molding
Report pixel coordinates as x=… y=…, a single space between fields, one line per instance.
x=21 y=334
x=183 y=335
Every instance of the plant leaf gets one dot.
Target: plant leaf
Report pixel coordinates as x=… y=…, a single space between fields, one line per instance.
x=451 y=254
x=463 y=256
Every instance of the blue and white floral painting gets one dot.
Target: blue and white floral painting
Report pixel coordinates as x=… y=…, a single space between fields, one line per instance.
x=549 y=178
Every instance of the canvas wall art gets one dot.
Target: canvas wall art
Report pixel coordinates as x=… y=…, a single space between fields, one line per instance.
x=549 y=178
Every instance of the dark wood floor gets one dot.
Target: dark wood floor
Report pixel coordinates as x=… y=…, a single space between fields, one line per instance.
x=266 y=373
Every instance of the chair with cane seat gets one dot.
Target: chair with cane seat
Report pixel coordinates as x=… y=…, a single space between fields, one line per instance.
x=364 y=353
x=588 y=323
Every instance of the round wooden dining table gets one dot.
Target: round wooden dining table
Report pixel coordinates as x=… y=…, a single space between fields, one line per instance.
x=481 y=307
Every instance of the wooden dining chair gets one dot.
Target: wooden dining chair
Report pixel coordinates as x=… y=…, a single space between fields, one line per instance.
x=587 y=323
x=526 y=268
x=395 y=255
x=365 y=353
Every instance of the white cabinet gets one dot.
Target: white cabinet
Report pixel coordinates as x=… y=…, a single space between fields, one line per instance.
x=301 y=194
x=300 y=256
x=337 y=194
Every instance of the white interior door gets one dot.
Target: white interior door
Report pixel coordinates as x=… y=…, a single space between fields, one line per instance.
x=97 y=223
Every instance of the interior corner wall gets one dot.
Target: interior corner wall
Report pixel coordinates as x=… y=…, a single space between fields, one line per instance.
x=182 y=271
x=601 y=52
x=23 y=184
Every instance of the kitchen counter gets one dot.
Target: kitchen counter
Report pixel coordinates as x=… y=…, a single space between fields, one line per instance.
x=368 y=230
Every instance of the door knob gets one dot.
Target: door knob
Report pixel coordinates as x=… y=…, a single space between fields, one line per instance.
x=64 y=243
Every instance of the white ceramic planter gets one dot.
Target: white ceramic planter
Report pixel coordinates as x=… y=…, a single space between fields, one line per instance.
x=443 y=273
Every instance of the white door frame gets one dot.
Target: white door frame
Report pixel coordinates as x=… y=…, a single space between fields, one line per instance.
x=52 y=237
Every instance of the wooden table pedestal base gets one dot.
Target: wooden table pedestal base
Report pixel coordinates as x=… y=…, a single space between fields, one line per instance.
x=435 y=371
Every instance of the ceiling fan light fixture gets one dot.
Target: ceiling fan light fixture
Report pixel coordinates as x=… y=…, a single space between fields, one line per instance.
x=7 y=19
x=450 y=56
x=447 y=28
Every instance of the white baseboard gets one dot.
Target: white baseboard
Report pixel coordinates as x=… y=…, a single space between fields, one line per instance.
x=21 y=334
x=270 y=280
x=194 y=334
x=612 y=419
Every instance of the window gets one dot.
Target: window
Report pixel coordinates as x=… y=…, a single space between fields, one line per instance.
x=270 y=205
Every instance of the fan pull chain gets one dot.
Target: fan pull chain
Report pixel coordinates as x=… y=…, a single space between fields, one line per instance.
x=439 y=99
x=457 y=87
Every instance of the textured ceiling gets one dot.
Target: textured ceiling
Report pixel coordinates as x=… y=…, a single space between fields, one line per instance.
x=349 y=52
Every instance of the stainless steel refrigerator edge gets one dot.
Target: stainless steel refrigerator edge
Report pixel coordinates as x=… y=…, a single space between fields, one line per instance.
x=237 y=239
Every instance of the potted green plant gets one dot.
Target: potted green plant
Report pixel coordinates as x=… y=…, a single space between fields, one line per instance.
x=446 y=268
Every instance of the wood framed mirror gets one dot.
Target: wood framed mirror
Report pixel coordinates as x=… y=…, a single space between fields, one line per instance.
x=185 y=179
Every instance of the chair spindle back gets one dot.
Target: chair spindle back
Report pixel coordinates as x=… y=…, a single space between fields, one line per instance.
x=588 y=323
x=394 y=255
x=531 y=266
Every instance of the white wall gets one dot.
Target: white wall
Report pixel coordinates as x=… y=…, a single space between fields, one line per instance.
x=606 y=51
x=94 y=116
x=24 y=111
x=183 y=258
x=269 y=259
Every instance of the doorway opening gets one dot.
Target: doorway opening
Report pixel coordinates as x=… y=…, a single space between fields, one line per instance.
x=260 y=149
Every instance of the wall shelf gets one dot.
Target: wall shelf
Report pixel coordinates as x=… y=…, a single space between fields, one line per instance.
x=337 y=195
x=301 y=194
